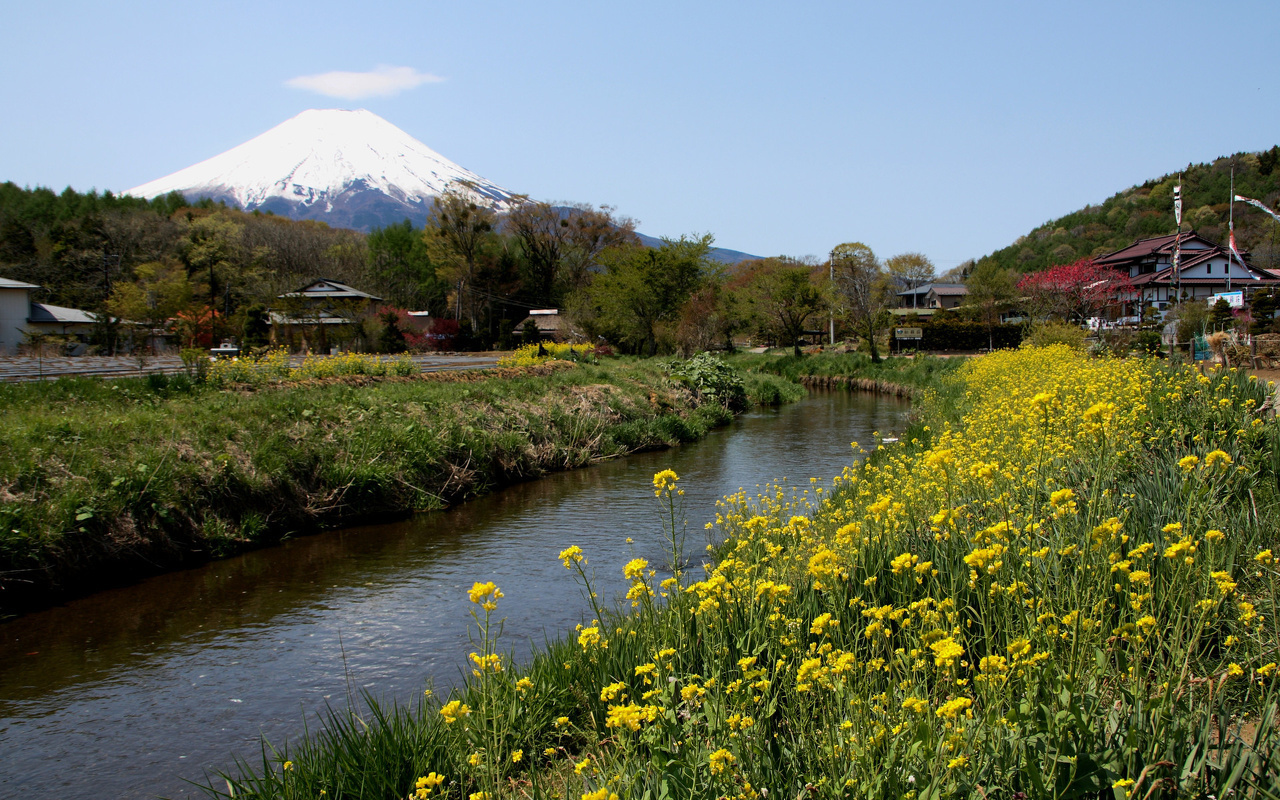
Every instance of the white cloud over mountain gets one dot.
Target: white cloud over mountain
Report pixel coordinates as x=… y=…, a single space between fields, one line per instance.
x=383 y=81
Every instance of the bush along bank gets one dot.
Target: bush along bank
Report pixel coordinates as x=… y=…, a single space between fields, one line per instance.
x=1069 y=592
x=103 y=481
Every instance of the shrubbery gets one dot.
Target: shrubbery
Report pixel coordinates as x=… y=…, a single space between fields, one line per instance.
x=945 y=332
x=712 y=380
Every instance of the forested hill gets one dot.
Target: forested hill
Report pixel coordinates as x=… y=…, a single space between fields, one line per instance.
x=1147 y=210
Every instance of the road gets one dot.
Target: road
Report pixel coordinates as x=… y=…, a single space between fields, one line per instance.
x=31 y=368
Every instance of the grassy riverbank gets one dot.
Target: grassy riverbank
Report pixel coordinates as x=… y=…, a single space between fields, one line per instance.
x=101 y=480
x=1068 y=592
x=895 y=375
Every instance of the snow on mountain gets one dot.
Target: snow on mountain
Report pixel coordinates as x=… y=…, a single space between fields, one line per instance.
x=351 y=169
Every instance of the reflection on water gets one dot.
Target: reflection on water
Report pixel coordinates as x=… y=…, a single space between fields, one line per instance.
x=128 y=692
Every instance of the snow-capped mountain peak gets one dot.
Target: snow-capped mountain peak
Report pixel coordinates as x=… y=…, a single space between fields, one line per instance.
x=349 y=168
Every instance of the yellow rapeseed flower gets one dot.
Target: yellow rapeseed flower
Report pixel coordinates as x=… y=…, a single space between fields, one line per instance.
x=951 y=708
x=572 y=555
x=1215 y=458
x=454 y=710
x=946 y=652
x=720 y=761
x=485 y=595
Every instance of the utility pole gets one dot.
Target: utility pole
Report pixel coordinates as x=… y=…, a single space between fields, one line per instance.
x=831 y=312
x=106 y=273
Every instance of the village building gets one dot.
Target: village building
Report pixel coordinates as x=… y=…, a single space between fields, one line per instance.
x=933 y=296
x=551 y=326
x=320 y=315
x=22 y=320
x=1204 y=269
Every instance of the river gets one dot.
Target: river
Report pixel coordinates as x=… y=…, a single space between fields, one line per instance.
x=132 y=693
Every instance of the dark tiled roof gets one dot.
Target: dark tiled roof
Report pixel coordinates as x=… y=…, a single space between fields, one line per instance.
x=1196 y=257
x=1164 y=278
x=1144 y=248
x=939 y=288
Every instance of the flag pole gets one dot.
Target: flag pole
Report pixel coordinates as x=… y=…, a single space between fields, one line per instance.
x=1177 y=240
x=1231 y=223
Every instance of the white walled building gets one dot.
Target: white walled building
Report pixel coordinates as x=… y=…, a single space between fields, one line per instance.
x=20 y=317
x=1204 y=269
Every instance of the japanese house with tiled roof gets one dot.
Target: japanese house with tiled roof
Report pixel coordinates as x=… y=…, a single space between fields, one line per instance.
x=1204 y=268
x=321 y=311
x=933 y=296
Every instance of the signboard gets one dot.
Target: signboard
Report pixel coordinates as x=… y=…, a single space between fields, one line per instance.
x=1234 y=299
x=908 y=333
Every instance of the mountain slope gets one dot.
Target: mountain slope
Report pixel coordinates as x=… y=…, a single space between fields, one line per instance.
x=1147 y=210
x=351 y=169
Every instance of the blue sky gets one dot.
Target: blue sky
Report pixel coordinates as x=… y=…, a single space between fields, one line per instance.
x=947 y=128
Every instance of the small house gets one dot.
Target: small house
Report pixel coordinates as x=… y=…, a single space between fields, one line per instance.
x=933 y=295
x=324 y=311
x=551 y=326
x=21 y=319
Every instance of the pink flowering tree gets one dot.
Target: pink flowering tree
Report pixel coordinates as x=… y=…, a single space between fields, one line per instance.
x=1073 y=292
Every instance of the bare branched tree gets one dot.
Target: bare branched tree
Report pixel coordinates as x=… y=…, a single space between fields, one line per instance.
x=861 y=291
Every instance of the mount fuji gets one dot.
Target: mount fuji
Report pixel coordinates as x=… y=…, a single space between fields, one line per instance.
x=351 y=169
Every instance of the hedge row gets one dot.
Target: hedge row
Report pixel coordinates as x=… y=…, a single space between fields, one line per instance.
x=945 y=334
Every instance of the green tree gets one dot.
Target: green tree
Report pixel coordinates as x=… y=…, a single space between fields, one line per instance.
x=861 y=291
x=256 y=329
x=1220 y=316
x=459 y=230
x=400 y=262
x=784 y=298
x=213 y=252
x=643 y=288
x=161 y=291
x=991 y=288
x=909 y=270
x=391 y=337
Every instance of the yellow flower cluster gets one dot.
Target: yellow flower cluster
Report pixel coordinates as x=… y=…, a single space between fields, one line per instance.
x=530 y=354
x=486 y=595
x=278 y=366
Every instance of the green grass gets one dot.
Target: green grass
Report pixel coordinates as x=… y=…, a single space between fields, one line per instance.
x=102 y=479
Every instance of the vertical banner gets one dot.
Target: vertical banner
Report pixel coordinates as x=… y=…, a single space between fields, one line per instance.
x=1232 y=243
x=1177 y=203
